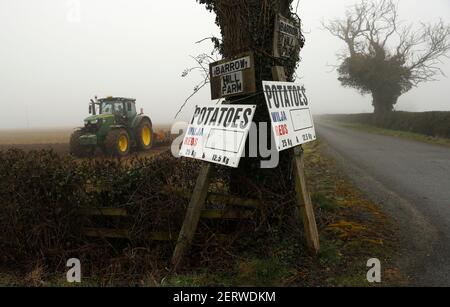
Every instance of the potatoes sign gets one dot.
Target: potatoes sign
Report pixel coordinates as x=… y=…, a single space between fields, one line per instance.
x=290 y=113
x=218 y=134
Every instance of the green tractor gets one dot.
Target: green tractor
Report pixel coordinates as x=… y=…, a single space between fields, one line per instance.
x=115 y=127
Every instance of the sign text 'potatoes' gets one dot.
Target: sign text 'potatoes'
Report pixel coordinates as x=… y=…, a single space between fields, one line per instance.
x=290 y=113
x=218 y=134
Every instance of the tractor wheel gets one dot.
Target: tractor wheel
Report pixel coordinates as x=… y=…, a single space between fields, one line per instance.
x=77 y=149
x=117 y=143
x=144 y=135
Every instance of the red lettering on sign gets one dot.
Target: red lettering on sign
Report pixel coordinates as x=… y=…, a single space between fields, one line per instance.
x=191 y=141
x=282 y=130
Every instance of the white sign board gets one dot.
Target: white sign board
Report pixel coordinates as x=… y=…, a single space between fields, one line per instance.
x=218 y=134
x=290 y=113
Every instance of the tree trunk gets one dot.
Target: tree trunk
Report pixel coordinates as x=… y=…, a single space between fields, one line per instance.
x=383 y=106
x=248 y=25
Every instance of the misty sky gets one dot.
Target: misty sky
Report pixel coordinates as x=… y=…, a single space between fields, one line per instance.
x=52 y=63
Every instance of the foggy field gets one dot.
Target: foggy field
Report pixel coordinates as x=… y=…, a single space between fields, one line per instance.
x=44 y=136
x=35 y=136
x=56 y=139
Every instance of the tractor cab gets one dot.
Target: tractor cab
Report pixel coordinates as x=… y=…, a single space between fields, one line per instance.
x=111 y=111
x=113 y=106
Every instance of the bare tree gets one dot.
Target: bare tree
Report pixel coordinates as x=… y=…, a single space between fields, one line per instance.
x=385 y=57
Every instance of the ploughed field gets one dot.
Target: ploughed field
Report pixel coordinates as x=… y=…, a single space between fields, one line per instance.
x=56 y=139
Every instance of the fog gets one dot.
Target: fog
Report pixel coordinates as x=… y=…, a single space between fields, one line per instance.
x=53 y=60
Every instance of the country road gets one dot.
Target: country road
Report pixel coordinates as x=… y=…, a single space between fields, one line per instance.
x=411 y=180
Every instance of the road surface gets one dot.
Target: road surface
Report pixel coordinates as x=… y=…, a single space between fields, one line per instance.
x=412 y=181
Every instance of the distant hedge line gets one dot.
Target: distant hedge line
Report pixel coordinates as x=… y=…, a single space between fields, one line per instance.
x=435 y=124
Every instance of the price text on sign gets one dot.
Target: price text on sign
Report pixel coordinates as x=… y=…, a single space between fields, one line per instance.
x=233 y=77
x=290 y=113
x=218 y=134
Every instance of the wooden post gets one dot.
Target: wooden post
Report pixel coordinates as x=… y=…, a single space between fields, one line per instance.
x=303 y=197
x=305 y=203
x=193 y=214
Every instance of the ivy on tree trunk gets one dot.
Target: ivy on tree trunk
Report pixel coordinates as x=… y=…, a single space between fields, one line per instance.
x=248 y=25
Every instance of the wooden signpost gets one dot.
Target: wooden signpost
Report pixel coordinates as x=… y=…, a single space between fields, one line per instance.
x=192 y=217
x=292 y=126
x=216 y=135
x=304 y=202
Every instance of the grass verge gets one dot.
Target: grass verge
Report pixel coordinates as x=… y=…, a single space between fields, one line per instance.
x=396 y=133
x=352 y=229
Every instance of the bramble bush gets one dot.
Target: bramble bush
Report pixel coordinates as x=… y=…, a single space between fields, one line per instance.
x=42 y=192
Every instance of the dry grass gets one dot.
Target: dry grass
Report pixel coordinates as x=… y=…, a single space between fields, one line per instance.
x=353 y=229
